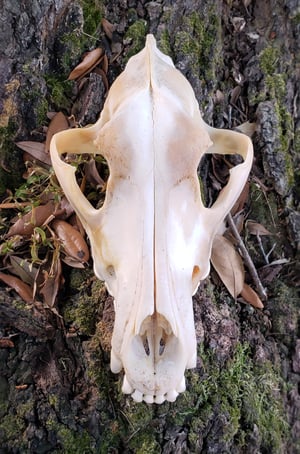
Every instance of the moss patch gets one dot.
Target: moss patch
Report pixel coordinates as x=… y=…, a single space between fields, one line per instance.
x=81 y=310
x=196 y=40
x=275 y=90
x=11 y=159
x=136 y=35
x=92 y=13
x=242 y=394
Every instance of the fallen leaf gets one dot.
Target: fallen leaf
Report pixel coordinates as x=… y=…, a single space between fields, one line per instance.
x=241 y=201
x=23 y=269
x=220 y=169
x=51 y=284
x=58 y=123
x=228 y=264
x=108 y=28
x=92 y=174
x=73 y=243
x=247 y=128
x=36 y=150
x=21 y=387
x=235 y=93
x=90 y=60
x=73 y=263
x=219 y=97
x=35 y=218
x=251 y=297
x=101 y=73
x=6 y=343
x=254 y=228
x=105 y=64
x=19 y=286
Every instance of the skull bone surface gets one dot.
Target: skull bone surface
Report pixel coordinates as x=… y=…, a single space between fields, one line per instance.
x=151 y=240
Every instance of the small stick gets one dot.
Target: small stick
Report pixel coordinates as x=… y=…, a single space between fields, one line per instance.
x=10 y=205
x=250 y=265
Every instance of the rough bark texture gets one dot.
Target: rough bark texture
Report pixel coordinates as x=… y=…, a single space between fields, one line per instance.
x=57 y=393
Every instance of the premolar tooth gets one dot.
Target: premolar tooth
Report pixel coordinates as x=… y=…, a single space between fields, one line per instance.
x=126 y=387
x=137 y=396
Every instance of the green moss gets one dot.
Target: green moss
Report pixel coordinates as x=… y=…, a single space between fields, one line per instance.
x=53 y=401
x=143 y=437
x=12 y=426
x=74 y=44
x=82 y=309
x=241 y=393
x=275 y=89
x=75 y=442
x=42 y=110
x=197 y=41
x=92 y=14
x=59 y=92
x=145 y=444
x=11 y=159
x=283 y=305
x=264 y=207
x=296 y=19
x=136 y=35
x=268 y=60
x=11 y=429
x=164 y=43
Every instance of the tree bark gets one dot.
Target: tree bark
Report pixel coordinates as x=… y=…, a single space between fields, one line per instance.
x=57 y=393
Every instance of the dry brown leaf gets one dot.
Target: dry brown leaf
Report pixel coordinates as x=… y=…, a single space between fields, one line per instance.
x=6 y=343
x=101 y=73
x=73 y=243
x=58 y=123
x=51 y=284
x=241 y=201
x=251 y=297
x=247 y=128
x=105 y=64
x=35 y=218
x=108 y=28
x=23 y=269
x=66 y=209
x=21 y=387
x=73 y=263
x=228 y=264
x=19 y=286
x=235 y=93
x=35 y=150
x=219 y=97
x=90 y=60
x=92 y=174
x=254 y=228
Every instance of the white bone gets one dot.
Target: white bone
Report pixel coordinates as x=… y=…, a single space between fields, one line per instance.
x=151 y=240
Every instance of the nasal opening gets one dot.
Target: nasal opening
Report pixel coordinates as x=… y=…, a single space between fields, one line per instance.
x=155 y=332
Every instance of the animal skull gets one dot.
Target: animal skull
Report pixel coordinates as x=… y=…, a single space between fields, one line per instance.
x=151 y=240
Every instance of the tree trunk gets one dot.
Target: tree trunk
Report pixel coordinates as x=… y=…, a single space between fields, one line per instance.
x=57 y=393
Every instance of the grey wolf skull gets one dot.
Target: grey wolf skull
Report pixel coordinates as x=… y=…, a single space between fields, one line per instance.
x=151 y=240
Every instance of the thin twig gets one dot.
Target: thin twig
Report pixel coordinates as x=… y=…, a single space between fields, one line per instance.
x=10 y=205
x=250 y=265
